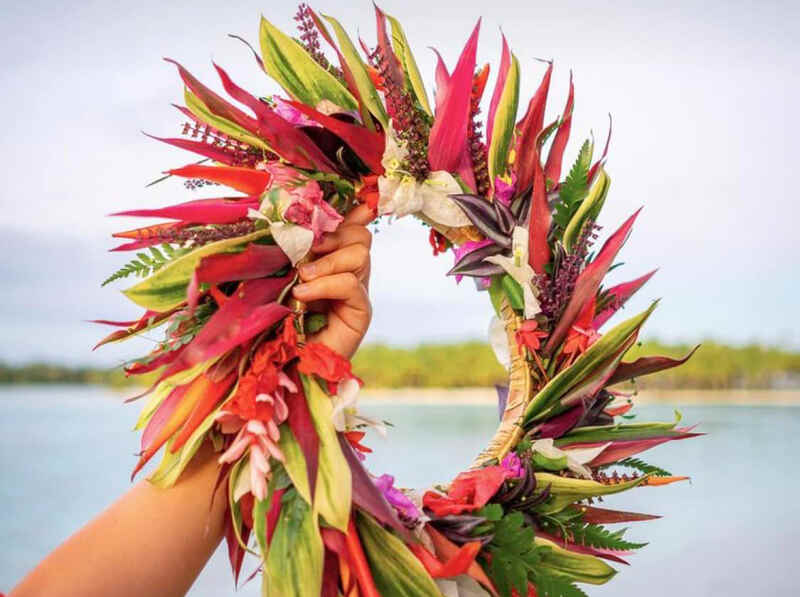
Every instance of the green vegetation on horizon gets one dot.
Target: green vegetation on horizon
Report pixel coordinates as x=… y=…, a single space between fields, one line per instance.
x=472 y=364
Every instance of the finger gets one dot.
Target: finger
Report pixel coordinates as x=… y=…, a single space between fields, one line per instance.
x=338 y=287
x=360 y=215
x=350 y=234
x=352 y=258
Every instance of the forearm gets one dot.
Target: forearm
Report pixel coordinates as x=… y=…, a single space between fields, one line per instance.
x=150 y=542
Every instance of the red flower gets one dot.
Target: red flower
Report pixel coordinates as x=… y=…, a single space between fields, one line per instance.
x=354 y=438
x=369 y=193
x=469 y=491
x=438 y=241
x=528 y=335
x=317 y=359
x=581 y=335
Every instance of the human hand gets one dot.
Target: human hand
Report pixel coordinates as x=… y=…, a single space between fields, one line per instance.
x=336 y=283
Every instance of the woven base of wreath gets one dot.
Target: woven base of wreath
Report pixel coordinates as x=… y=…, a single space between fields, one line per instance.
x=235 y=367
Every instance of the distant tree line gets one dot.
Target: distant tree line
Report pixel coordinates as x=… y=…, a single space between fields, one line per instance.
x=472 y=364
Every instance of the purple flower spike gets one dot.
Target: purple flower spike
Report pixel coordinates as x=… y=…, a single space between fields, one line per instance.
x=513 y=465
x=405 y=507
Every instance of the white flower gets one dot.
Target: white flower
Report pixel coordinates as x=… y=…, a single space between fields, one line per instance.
x=576 y=459
x=345 y=413
x=517 y=267
x=401 y=194
x=293 y=240
x=498 y=340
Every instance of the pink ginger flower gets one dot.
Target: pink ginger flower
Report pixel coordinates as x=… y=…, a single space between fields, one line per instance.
x=504 y=191
x=258 y=437
x=513 y=465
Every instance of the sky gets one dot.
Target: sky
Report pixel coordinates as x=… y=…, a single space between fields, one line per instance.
x=704 y=138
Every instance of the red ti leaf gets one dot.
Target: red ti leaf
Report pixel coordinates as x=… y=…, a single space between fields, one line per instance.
x=256 y=261
x=552 y=169
x=539 y=223
x=248 y=181
x=368 y=497
x=607 y=554
x=283 y=138
x=216 y=103
x=200 y=211
x=589 y=281
x=358 y=562
x=448 y=136
x=645 y=366
x=367 y=145
x=394 y=69
x=596 y=165
x=620 y=294
x=146 y=320
x=620 y=449
x=594 y=515
x=235 y=550
x=442 y=82
x=302 y=426
x=529 y=128
x=447 y=549
x=204 y=149
x=245 y=314
x=216 y=392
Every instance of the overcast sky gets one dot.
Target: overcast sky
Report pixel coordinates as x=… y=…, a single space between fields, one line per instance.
x=704 y=137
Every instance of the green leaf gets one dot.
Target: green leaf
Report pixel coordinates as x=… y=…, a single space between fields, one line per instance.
x=574 y=187
x=514 y=555
x=369 y=95
x=403 y=50
x=295 y=559
x=513 y=291
x=286 y=61
x=575 y=566
x=567 y=490
x=295 y=462
x=585 y=365
x=146 y=264
x=333 y=491
x=549 y=585
x=230 y=128
x=166 y=288
x=631 y=431
x=396 y=571
x=504 y=122
x=588 y=210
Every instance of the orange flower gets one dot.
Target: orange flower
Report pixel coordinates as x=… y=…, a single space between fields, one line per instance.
x=528 y=335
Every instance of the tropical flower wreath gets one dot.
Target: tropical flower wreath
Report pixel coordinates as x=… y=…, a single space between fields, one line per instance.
x=236 y=368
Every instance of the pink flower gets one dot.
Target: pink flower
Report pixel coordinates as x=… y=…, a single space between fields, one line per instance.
x=504 y=191
x=468 y=247
x=307 y=207
x=513 y=465
x=291 y=114
x=260 y=438
x=399 y=501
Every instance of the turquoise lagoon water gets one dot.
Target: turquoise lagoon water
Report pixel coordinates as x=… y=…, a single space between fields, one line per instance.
x=66 y=453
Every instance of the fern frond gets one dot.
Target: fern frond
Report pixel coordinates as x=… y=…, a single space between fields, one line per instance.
x=548 y=585
x=146 y=264
x=594 y=535
x=574 y=188
x=644 y=467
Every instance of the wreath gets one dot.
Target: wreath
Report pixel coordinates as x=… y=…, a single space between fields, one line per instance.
x=235 y=366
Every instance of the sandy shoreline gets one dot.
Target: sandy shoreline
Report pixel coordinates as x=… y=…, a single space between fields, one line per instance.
x=672 y=397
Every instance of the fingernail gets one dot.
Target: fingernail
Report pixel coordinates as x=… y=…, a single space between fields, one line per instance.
x=301 y=288
x=308 y=270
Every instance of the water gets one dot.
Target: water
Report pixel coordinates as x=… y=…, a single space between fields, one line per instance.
x=66 y=453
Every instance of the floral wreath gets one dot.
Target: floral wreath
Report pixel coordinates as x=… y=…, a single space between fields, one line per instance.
x=235 y=366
